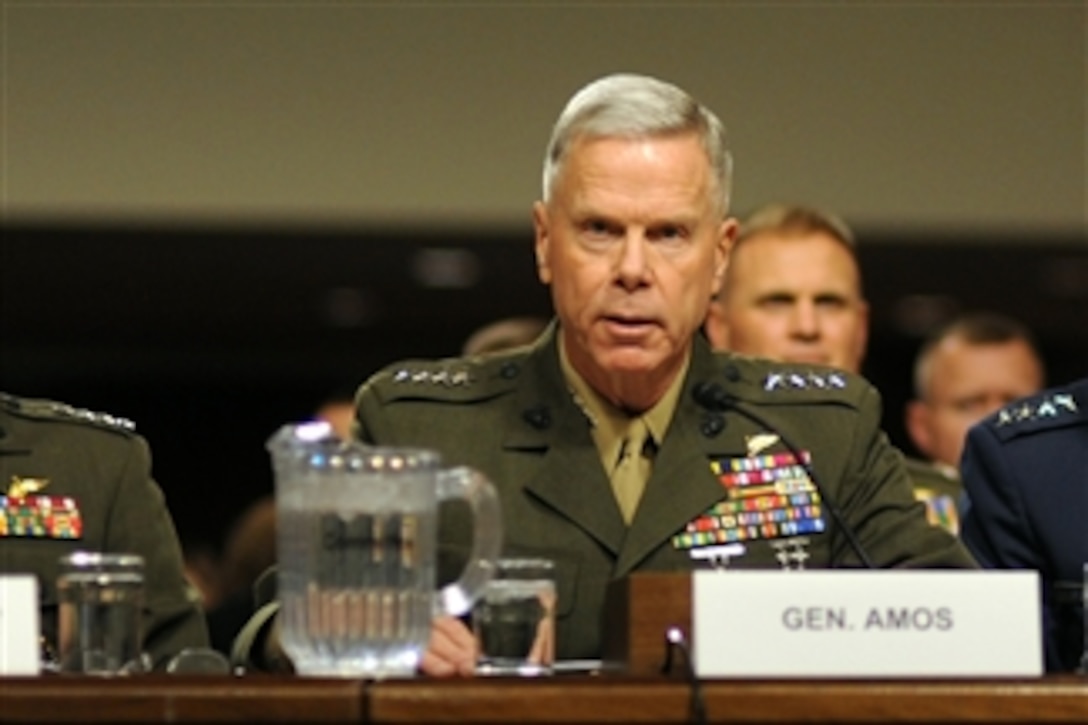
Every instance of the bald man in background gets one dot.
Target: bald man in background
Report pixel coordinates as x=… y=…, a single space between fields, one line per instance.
x=968 y=369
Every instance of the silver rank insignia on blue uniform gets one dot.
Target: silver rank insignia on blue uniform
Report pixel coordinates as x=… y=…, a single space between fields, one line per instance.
x=1050 y=406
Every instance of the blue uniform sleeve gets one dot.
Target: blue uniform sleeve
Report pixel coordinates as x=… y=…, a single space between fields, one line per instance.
x=996 y=527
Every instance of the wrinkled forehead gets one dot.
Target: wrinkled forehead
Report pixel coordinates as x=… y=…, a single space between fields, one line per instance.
x=680 y=166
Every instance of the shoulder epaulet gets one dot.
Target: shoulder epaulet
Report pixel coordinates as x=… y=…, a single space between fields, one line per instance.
x=922 y=472
x=773 y=382
x=1056 y=408
x=51 y=410
x=461 y=379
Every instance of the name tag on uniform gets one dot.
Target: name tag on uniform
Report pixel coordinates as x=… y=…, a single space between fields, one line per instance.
x=19 y=625
x=869 y=624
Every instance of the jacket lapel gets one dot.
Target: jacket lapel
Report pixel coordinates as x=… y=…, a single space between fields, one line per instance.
x=570 y=479
x=682 y=485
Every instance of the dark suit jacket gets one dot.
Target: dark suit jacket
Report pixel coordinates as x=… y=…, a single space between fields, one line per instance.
x=1026 y=473
x=105 y=468
x=511 y=416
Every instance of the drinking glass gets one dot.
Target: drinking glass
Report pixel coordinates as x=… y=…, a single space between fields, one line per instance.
x=514 y=619
x=101 y=599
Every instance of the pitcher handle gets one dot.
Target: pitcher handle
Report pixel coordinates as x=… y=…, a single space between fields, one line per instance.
x=458 y=597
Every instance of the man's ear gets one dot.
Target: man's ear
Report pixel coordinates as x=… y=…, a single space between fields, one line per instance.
x=861 y=344
x=727 y=233
x=917 y=422
x=717 y=331
x=542 y=242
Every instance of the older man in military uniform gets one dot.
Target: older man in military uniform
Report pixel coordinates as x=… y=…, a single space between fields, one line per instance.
x=76 y=480
x=620 y=441
x=1026 y=473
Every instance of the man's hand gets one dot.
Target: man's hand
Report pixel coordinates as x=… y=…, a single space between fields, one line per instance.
x=451 y=650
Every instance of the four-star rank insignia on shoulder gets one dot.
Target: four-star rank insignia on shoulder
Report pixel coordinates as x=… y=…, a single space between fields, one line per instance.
x=1054 y=405
x=804 y=380
x=448 y=377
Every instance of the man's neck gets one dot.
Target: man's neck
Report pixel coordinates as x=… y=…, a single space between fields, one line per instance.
x=634 y=393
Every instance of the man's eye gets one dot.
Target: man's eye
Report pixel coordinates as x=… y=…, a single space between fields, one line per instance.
x=596 y=227
x=669 y=233
x=970 y=405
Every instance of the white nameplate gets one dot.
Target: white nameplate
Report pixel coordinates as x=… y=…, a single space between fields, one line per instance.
x=19 y=625
x=870 y=624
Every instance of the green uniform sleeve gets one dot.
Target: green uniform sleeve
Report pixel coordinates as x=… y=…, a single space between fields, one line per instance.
x=881 y=507
x=140 y=523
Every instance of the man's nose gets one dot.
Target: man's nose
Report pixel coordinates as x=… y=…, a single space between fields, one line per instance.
x=805 y=322
x=632 y=263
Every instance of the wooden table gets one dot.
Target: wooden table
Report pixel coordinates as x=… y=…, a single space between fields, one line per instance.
x=190 y=698
x=658 y=700
x=570 y=699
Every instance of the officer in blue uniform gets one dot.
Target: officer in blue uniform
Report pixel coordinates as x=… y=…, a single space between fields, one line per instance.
x=1025 y=469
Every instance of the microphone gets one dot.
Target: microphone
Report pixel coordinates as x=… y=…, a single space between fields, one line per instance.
x=714 y=398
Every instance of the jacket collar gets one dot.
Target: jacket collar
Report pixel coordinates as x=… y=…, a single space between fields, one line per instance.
x=571 y=479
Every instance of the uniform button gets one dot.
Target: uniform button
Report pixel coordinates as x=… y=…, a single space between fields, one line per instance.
x=712 y=425
x=509 y=371
x=538 y=417
x=732 y=373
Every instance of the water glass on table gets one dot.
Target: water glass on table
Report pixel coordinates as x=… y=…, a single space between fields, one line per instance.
x=101 y=598
x=514 y=619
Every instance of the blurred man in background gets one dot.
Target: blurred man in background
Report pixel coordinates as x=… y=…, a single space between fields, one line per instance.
x=968 y=369
x=504 y=334
x=338 y=410
x=792 y=291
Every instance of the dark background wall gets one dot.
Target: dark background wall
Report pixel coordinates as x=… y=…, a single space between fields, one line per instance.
x=211 y=338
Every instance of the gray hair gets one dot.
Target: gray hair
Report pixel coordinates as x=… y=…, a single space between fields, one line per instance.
x=634 y=106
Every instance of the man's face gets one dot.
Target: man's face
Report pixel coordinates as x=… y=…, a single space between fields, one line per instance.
x=794 y=298
x=340 y=415
x=633 y=246
x=966 y=383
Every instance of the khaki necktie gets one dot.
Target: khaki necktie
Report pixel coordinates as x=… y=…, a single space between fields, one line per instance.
x=632 y=469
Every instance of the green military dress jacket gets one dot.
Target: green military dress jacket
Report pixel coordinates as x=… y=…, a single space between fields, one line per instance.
x=940 y=490
x=512 y=417
x=100 y=469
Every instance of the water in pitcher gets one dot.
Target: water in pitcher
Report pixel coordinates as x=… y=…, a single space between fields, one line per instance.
x=356 y=547
x=357 y=597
